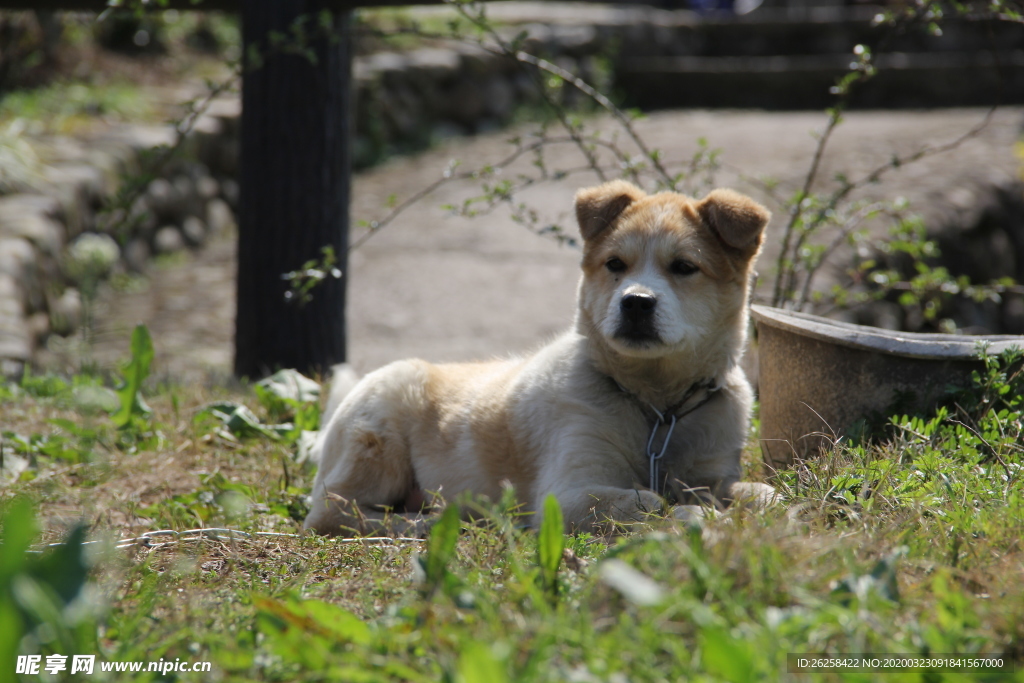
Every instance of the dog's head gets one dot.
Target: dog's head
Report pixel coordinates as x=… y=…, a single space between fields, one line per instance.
x=663 y=273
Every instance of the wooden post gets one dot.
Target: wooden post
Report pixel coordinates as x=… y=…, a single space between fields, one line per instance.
x=295 y=178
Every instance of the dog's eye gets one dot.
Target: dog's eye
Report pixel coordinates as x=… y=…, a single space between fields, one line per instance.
x=615 y=264
x=681 y=267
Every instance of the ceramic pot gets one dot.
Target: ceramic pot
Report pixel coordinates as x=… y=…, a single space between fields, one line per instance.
x=821 y=379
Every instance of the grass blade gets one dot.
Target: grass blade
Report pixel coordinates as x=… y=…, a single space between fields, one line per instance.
x=441 y=547
x=550 y=544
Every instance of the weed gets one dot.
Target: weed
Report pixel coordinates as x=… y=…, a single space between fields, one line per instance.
x=45 y=602
x=133 y=410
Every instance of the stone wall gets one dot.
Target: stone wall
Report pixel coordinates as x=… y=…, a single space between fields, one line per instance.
x=65 y=213
x=404 y=101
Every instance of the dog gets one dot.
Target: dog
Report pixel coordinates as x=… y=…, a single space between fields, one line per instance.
x=641 y=406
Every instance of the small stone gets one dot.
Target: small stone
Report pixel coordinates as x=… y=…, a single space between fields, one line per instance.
x=383 y=62
x=208 y=188
x=89 y=180
x=194 y=231
x=184 y=186
x=168 y=240
x=17 y=258
x=161 y=197
x=226 y=107
x=433 y=64
x=15 y=340
x=31 y=203
x=11 y=368
x=66 y=312
x=141 y=136
x=11 y=297
x=219 y=217
x=45 y=233
x=962 y=198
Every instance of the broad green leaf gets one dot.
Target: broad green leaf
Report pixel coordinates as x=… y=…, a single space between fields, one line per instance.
x=307 y=631
x=726 y=657
x=11 y=631
x=478 y=664
x=337 y=621
x=19 y=530
x=64 y=568
x=241 y=422
x=292 y=385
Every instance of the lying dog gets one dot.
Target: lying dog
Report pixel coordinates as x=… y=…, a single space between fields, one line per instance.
x=641 y=403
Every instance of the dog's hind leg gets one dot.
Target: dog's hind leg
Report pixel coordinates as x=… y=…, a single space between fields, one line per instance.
x=333 y=515
x=372 y=474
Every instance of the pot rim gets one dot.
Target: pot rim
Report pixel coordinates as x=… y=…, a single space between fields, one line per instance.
x=880 y=340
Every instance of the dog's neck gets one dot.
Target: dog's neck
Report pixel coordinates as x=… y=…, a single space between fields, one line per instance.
x=663 y=381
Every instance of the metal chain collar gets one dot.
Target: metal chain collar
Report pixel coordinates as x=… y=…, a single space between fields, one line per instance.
x=670 y=417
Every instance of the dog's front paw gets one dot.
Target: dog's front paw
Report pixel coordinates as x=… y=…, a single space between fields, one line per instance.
x=649 y=502
x=689 y=514
x=753 y=494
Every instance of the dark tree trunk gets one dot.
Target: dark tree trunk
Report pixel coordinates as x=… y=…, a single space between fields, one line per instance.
x=294 y=187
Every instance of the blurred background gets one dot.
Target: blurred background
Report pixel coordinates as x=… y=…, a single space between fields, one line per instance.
x=119 y=165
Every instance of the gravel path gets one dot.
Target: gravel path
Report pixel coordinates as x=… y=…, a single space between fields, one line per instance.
x=448 y=288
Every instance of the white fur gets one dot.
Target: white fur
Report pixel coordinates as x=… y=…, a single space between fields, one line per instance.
x=571 y=420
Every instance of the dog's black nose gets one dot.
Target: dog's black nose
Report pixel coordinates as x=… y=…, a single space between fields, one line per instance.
x=636 y=319
x=638 y=305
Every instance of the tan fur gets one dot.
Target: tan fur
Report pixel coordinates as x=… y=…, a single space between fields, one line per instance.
x=574 y=418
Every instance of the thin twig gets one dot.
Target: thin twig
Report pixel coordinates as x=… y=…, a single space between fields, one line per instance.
x=840 y=237
x=449 y=175
x=872 y=177
x=479 y=20
x=607 y=104
x=795 y=211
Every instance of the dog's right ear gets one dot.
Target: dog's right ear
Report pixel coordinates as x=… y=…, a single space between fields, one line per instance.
x=597 y=207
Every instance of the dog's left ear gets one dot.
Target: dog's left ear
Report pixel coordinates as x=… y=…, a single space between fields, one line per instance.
x=598 y=207
x=738 y=220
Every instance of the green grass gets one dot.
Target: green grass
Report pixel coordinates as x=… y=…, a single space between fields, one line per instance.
x=911 y=546
x=65 y=107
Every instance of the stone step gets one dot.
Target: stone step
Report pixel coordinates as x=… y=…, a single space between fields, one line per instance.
x=770 y=32
x=903 y=80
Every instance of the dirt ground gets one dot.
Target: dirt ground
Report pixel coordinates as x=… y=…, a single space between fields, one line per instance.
x=443 y=287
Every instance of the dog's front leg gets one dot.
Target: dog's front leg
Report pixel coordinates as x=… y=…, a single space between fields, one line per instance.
x=592 y=508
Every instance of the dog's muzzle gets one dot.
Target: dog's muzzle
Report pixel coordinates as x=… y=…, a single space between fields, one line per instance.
x=636 y=319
